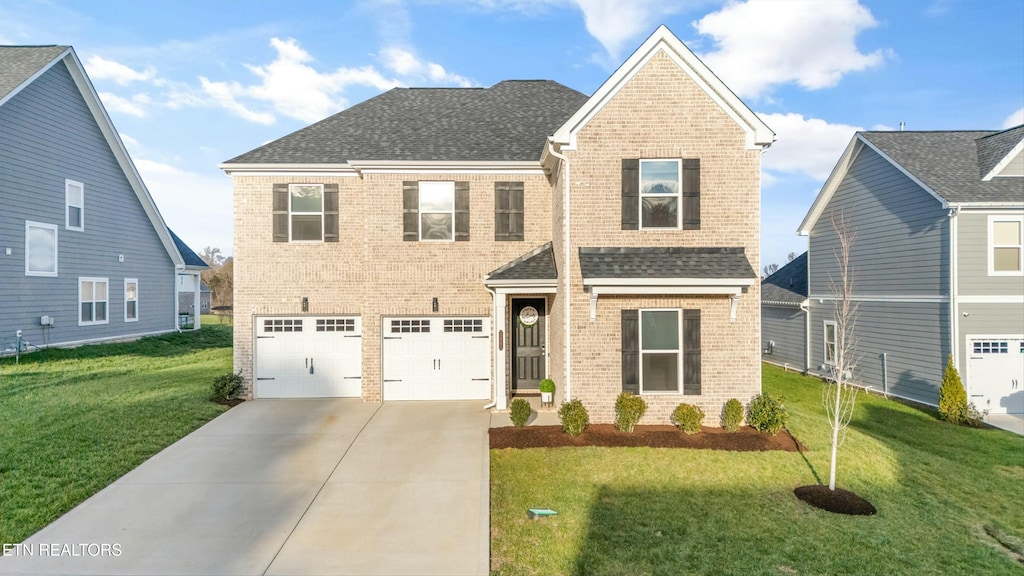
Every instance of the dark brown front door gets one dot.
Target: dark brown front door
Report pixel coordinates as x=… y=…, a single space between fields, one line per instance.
x=528 y=317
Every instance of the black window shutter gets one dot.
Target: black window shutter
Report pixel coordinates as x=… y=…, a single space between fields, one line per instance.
x=461 y=211
x=280 y=210
x=691 y=352
x=508 y=211
x=410 y=211
x=691 y=194
x=330 y=212
x=501 y=211
x=517 y=211
x=630 y=194
x=631 y=351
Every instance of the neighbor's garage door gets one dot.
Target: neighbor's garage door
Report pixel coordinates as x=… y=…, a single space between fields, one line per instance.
x=995 y=372
x=437 y=358
x=308 y=357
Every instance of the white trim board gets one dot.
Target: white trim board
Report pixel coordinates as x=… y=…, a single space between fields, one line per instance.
x=1007 y=299
x=923 y=299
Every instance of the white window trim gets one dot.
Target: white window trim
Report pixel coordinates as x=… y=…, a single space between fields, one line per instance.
x=678 y=195
x=323 y=218
x=824 y=341
x=106 y=320
x=420 y=212
x=28 y=272
x=67 y=205
x=991 y=246
x=679 y=351
x=128 y=281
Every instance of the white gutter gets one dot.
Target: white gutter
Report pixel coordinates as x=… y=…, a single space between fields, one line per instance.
x=565 y=273
x=954 y=286
x=806 y=307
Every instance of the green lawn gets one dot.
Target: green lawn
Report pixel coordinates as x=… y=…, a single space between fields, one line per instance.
x=74 y=420
x=643 y=511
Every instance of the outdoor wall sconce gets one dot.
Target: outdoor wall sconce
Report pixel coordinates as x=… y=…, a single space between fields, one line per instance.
x=305 y=304
x=433 y=304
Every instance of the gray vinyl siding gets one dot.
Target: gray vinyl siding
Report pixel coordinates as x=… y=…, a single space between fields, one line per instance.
x=49 y=135
x=786 y=326
x=973 y=256
x=914 y=336
x=902 y=233
x=988 y=320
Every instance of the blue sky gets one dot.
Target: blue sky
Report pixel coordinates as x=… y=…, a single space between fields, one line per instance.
x=190 y=84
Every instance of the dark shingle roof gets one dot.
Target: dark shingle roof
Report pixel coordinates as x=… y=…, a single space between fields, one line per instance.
x=190 y=257
x=509 y=121
x=992 y=149
x=788 y=285
x=674 y=262
x=538 y=264
x=19 y=63
x=948 y=162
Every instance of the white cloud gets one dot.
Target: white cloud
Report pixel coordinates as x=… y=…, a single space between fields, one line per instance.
x=405 y=63
x=131 y=107
x=198 y=207
x=809 y=146
x=938 y=8
x=1015 y=119
x=223 y=94
x=615 y=23
x=762 y=43
x=100 y=68
x=129 y=141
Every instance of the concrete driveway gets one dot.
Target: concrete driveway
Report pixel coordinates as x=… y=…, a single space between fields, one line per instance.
x=290 y=487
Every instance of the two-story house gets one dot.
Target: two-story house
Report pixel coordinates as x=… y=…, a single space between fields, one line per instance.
x=84 y=253
x=466 y=243
x=938 y=263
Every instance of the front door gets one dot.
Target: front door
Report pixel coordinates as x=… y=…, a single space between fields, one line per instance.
x=530 y=365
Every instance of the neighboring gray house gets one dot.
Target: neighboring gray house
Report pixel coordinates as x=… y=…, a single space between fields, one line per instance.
x=784 y=316
x=84 y=253
x=938 y=261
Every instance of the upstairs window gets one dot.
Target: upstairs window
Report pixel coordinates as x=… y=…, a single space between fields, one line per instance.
x=306 y=207
x=74 y=205
x=92 y=300
x=40 y=249
x=437 y=211
x=830 y=343
x=660 y=188
x=1006 y=246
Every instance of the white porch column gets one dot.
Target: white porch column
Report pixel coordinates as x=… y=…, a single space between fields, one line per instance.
x=501 y=344
x=196 y=299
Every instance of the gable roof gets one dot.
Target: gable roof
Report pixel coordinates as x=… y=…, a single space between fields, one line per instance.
x=507 y=122
x=788 y=285
x=538 y=264
x=946 y=164
x=758 y=134
x=21 y=65
x=192 y=260
x=998 y=149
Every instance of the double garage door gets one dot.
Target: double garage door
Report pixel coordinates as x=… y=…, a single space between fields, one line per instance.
x=995 y=373
x=431 y=358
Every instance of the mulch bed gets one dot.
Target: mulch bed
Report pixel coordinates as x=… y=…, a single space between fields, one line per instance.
x=746 y=439
x=230 y=403
x=839 y=501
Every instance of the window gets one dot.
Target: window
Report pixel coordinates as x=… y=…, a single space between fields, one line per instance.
x=409 y=326
x=660 y=353
x=306 y=207
x=131 y=300
x=92 y=300
x=463 y=325
x=508 y=211
x=997 y=347
x=74 y=204
x=40 y=249
x=830 y=342
x=283 y=325
x=437 y=211
x=1006 y=245
x=660 y=193
x=335 y=325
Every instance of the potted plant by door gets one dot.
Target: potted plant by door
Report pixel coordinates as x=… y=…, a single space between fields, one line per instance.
x=547 y=391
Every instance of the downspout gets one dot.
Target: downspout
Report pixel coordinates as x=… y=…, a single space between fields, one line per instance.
x=494 y=346
x=954 y=287
x=566 y=263
x=805 y=306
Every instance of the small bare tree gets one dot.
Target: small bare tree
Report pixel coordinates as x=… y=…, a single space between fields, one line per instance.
x=839 y=396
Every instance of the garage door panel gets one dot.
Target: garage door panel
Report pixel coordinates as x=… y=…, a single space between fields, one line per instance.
x=308 y=357
x=995 y=374
x=436 y=358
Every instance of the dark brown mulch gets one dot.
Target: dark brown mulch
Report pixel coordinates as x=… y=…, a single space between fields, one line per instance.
x=746 y=439
x=839 y=501
x=230 y=403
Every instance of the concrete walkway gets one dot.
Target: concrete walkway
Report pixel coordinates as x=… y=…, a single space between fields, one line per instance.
x=1012 y=422
x=291 y=487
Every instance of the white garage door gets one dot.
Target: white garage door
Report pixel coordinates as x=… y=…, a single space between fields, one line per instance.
x=437 y=358
x=995 y=372
x=308 y=357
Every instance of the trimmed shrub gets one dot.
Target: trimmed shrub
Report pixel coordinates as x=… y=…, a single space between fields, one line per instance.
x=226 y=387
x=767 y=414
x=968 y=415
x=629 y=408
x=547 y=385
x=574 y=417
x=688 y=418
x=519 y=412
x=732 y=415
x=952 y=396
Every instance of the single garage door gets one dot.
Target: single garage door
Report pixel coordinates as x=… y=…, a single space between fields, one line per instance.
x=995 y=372
x=437 y=358
x=308 y=357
